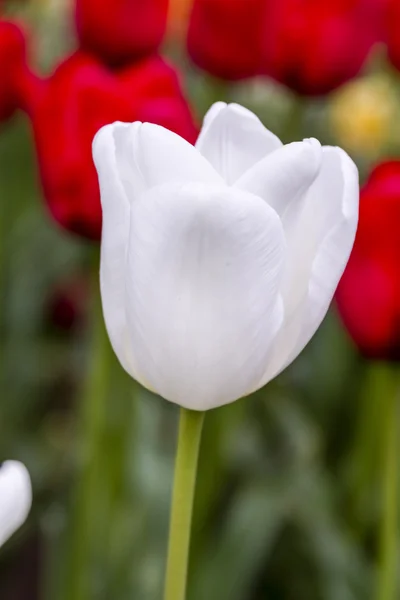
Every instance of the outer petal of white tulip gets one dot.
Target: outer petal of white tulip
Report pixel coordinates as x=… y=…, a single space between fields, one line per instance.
x=15 y=497
x=161 y=156
x=318 y=252
x=233 y=139
x=283 y=177
x=338 y=230
x=204 y=271
x=116 y=214
x=130 y=159
x=212 y=112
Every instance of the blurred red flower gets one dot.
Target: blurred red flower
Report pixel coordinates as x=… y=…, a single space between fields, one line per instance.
x=13 y=68
x=311 y=46
x=368 y=296
x=392 y=29
x=67 y=303
x=118 y=31
x=224 y=37
x=314 y=46
x=79 y=98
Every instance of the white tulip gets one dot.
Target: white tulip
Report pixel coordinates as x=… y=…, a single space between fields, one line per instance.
x=15 y=497
x=218 y=262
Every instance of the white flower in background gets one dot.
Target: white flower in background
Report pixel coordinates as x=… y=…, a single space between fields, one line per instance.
x=15 y=497
x=218 y=262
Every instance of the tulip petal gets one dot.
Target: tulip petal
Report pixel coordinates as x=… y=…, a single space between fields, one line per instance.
x=212 y=112
x=146 y=155
x=130 y=159
x=15 y=497
x=283 y=177
x=204 y=270
x=114 y=183
x=339 y=226
x=161 y=156
x=233 y=139
x=318 y=253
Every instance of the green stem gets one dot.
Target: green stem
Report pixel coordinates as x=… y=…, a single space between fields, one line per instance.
x=364 y=462
x=119 y=456
x=389 y=524
x=190 y=428
x=84 y=518
x=294 y=126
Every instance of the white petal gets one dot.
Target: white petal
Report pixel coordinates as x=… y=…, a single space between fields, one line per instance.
x=335 y=248
x=213 y=112
x=233 y=139
x=115 y=183
x=205 y=265
x=319 y=254
x=283 y=177
x=164 y=157
x=15 y=497
x=131 y=158
x=148 y=155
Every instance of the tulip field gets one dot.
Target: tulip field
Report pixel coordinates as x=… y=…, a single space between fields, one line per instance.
x=200 y=299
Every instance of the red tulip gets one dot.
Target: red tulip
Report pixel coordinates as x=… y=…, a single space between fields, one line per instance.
x=314 y=46
x=13 y=68
x=392 y=28
x=118 y=31
x=368 y=296
x=79 y=98
x=224 y=37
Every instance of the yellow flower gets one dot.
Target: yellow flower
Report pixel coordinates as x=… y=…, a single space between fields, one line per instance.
x=362 y=113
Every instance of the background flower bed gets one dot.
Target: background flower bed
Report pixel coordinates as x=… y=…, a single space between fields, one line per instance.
x=288 y=500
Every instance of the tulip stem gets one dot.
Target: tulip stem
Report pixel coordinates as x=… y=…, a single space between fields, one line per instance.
x=85 y=509
x=190 y=428
x=389 y=523
x=365 y=460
